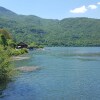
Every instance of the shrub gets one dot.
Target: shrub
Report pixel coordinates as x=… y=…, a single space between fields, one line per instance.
x=6 y=70
x=16 y=52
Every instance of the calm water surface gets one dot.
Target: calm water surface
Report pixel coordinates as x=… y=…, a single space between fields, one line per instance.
x=67 y=73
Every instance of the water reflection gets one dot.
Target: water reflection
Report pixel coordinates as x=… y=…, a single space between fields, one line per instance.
x=3 y=86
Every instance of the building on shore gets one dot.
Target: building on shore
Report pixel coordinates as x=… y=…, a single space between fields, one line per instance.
x=21 y=45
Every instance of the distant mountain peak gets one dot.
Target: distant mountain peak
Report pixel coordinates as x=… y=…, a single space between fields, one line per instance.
x=4 y=11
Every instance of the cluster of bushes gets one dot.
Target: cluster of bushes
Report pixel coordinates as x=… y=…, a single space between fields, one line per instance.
x=35 y=45
x=16 y=52
x=7 y=49
x=6 y=69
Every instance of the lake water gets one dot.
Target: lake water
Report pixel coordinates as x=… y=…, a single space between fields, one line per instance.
x=67 y=73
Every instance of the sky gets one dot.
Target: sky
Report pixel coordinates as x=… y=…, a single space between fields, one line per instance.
x=54 y=9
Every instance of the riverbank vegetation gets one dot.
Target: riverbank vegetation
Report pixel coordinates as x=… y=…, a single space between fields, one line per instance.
x=6 y=69
x=9 y=43
x=35 y=45
x=7 y=50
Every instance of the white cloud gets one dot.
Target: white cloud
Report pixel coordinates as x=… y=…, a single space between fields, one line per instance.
x=79 y=10
x=84 y=8
x=98 y=3
x=92 y=6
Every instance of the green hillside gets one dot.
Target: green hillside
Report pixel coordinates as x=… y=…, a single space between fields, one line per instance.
x=66 y=32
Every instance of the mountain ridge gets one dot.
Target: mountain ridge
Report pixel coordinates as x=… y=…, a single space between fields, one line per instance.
x=80 y=31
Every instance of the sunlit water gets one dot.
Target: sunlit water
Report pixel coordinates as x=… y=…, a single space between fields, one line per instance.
x=67 y=73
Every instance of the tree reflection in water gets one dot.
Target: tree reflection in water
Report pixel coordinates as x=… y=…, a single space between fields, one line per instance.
x=3 y=86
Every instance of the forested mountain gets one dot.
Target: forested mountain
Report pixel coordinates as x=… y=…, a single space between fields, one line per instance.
x=66 y=32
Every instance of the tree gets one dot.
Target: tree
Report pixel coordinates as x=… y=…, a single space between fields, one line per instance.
x=3 y=40
x=11 y=43
x=5 y=33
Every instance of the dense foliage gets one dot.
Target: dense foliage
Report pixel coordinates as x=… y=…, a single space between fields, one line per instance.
x=6 y=70
x=7 y=50
x=66 y=32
